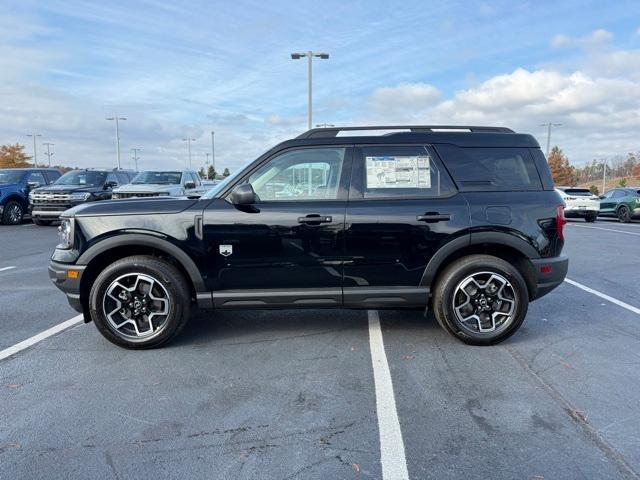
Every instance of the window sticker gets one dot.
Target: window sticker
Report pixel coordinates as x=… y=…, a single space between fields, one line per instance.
x=398 y=171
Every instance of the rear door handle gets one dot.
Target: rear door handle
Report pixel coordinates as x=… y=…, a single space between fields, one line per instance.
x=433 y=217
x=315 y=219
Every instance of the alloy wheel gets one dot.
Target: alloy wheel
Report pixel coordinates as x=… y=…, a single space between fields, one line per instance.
x=137 y=306
x=485 y=302
x=15 y=213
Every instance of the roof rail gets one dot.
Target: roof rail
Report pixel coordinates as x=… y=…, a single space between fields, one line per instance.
x=334 y=131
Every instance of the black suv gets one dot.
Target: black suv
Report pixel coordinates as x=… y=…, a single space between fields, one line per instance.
x=462 y=219
x=73 y=188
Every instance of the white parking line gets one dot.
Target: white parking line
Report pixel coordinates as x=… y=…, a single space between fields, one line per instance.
x=392 y=458
x=607 y=229
x=604 y=296
x=29 y=342
x=4 y=269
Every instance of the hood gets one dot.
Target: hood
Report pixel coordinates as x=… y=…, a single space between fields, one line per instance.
x=136 y=206
x=67 y=189
x=146 y=188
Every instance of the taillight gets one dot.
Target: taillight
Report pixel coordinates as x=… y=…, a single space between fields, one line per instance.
x=560 y=221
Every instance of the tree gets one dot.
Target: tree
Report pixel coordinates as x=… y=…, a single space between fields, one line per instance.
x=13 y=156
x=561 y=170
x=211 y=173
x=622 y=182
x=594 y=190
x=201 y=172
x=226 y=172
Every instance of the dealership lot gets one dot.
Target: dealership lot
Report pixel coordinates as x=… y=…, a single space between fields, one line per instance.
x=291 y=394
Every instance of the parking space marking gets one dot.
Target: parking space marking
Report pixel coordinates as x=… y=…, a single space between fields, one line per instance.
x=604 y=296
x=607 y=229
x=29 y=342
x=392 y=457
x=4 y=269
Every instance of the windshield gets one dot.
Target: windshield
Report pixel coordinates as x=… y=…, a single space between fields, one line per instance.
x=83 y=178
x=10 y=176
x=221 y=186
x=162 y=178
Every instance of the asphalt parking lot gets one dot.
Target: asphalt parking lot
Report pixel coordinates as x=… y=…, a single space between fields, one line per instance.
x=291 y=394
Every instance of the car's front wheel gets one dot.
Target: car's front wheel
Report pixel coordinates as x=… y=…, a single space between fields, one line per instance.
x=13 y=213
x=140 y=302
x=624 y=214
x=480 y=299
x=591 y=217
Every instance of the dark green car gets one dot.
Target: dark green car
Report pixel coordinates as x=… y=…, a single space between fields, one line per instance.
x=621 y=202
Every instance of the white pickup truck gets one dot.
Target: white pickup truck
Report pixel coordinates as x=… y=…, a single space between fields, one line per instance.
x=156 y=183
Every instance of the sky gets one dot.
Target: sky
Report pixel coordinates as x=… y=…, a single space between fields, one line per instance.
x=182 y=69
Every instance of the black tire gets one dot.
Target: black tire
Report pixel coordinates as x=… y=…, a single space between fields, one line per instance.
x=13 y=213
x=168 y=277
x=591 y=218
x=42 y=223
x=447 y=288
x=624 y=214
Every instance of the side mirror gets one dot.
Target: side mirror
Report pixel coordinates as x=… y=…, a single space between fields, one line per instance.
x=601 y=197
x=110 y=185
x=243 y=195
x=189 y=185
x=33 y=185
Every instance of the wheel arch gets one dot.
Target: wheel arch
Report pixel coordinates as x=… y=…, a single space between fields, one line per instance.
x=105 y=252
x=502 y=245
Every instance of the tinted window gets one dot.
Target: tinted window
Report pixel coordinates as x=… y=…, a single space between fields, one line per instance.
x=123 y=178
x=159 y=178
x=52 y=175
x=10 y=176
x=36 y=177
x=401 y=171
x=493 y=169
x=296 y=175
x=619 y=193
x=578 y=192
x=83 y=178
x=112 y=178
x=608 y=194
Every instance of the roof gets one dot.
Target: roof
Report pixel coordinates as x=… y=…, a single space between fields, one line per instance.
x=460 y=135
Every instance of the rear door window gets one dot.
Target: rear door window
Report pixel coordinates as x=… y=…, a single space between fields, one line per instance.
x=491 y=169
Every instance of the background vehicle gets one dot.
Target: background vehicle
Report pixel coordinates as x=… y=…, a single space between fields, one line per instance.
x=621 y=202
x=152 y=183
x=464 y=219
x=579 y=203
x=15 y=185
x=73 y=188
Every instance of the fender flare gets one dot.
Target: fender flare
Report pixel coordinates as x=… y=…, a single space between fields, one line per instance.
x=476 y=238
x=18 y=198
x=148 y=241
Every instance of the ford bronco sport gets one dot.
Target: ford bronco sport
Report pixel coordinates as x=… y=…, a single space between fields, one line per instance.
x=463 y=220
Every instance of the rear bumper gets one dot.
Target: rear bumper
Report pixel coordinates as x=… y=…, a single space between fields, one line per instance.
x=580 y=213
x=60 y=275
x=549 y=273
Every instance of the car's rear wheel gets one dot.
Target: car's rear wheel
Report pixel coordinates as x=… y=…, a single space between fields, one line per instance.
x=591 y=217
x=624 y=214
x=480 y=299
x=13 y=213
x=140 y=302
x=42 y=223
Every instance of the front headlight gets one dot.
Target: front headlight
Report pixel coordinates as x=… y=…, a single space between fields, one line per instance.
x=80 y=196
x=65 y=233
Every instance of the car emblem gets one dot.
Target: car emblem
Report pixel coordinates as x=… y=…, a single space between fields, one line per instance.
x=226 y=250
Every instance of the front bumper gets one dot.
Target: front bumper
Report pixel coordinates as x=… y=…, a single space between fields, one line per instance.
x=549 y=273
x=67 y=278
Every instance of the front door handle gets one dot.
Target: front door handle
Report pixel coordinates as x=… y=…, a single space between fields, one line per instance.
x=315 y=219
x=433 y=217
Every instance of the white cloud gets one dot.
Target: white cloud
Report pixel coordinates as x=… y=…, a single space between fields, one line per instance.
x=595 y=38
x=407 y=97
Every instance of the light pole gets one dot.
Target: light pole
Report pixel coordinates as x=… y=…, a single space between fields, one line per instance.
x=213 y=157
x=117 y=120
x=206 y=166
x=135 y=156
x=189 y=140
x=35 y=153
x=549 y=125
x=309 y=55
x=49 y=144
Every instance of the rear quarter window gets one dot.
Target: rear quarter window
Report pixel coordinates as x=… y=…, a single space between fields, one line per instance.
x=491 y=169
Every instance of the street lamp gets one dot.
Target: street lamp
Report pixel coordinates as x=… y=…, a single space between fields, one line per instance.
x=135 y=151
x=189 y=140
x=35 y=154
x=49 y=145
x=309 y=55
x=549 y=125
x=213 y=155
x=117 y=120
x=206 y=166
